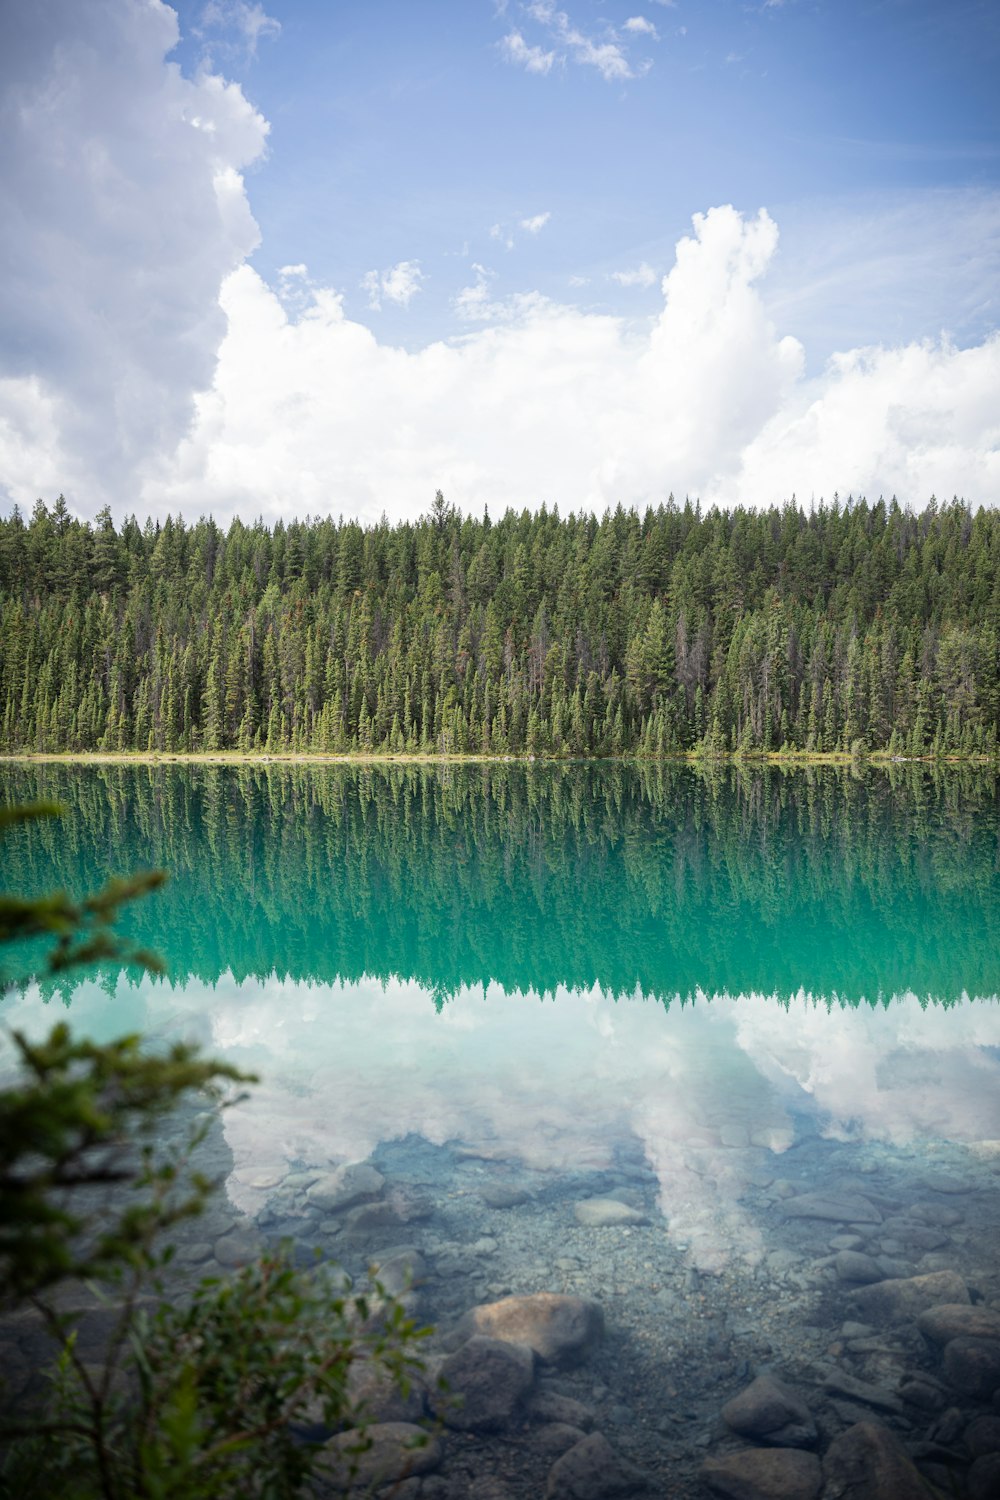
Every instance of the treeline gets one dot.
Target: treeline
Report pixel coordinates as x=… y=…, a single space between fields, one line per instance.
x=851 y=626
x=653 y=878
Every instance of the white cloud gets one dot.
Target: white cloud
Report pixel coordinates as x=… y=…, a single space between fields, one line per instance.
x=641 y=275
x=536 y=223
x=123 y=210
x=533 y=59
x=606 y=55
x=539 y=401
x=641 y=27
x=247 y=22
x=399 y=284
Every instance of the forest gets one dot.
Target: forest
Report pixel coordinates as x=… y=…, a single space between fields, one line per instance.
x=845 y=627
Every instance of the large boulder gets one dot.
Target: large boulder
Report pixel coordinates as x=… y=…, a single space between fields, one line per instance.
x=489 y=1378
x=903 y=1298
x=394 y=1452
x=561 y=1330
x=764 y=1474
x=956 y=1319
x=772 y=1413
x=973 y=1366
x=867 y=1463
x=591 y=1470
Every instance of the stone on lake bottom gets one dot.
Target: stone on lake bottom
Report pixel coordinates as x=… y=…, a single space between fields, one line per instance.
x=772 y=1413
x=348 y=1185
x=560 y=1329
x=489 y=1377
x=907 y=1297
x=396 y=1450
x=601 y=1213
x=867 y=1463
x=846 y=1208
x=954 y=1320
x=973 y=1366
x=764 y=1474
x=591 y=1470
x=853 y=1266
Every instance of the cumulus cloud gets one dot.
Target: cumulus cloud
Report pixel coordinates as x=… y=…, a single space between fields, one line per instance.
x=399 y=284
x=641 y=275
x=536 y=223
x=541 y=401
x=124 y=209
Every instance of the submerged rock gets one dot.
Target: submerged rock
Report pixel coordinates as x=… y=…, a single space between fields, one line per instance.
x=591 y=1470
x=764 y=1474
x=489 y=1377
x=846 y=1208
x=601 y=1213
x=503 y=1195
x=867 y=1463
x=853 y=1266
x=396 y=1450
x=973 y=1366
x=560 y=1329
x=349 y=1184
x=906 y=1297
x=772 y=1413
x=956 y=1319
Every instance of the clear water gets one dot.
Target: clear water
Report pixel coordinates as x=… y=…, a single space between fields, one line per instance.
x=699 y=993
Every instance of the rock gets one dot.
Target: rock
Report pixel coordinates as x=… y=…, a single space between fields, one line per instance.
x=944 y=1182
x=371 y=1218
x=591 y=1470
x=549 y=1406
x=941 y=1214
x=852 y=1330
x=851 y=1265
x=553 y=1439
x=561 y=1329
x=349 y=1184
x=839 y=1384
x=914 y=1236
x=238 y=1248
x=846 y=1208
x=900 y=1299
x=759 y=1474
x=973 y=1366
x=846 y=1242
x=956 y=1320
x=772 y=1413
x=375 y=1396
x=983 y=1480
x=489 y=1377
x=396 y=1450
x=405 y=1269
x=982 y=1436
x=503 y=1195
x=867 y=1463
x=923 y=1392
x=602 y=1213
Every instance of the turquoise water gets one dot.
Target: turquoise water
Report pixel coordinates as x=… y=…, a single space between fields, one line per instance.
x=697 y=994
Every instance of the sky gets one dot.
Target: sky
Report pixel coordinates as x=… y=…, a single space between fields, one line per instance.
x=314 y=257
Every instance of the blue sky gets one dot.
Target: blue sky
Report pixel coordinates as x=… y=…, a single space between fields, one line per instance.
x=278 y=256
x=404 y=131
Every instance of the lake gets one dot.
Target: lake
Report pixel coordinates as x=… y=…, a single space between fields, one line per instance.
x=718 y=1049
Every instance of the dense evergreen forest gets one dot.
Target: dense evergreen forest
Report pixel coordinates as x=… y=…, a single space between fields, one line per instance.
x=851 y=626
x=657 y=877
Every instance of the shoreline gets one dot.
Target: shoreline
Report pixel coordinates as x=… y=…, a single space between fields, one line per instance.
x=793 y=758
